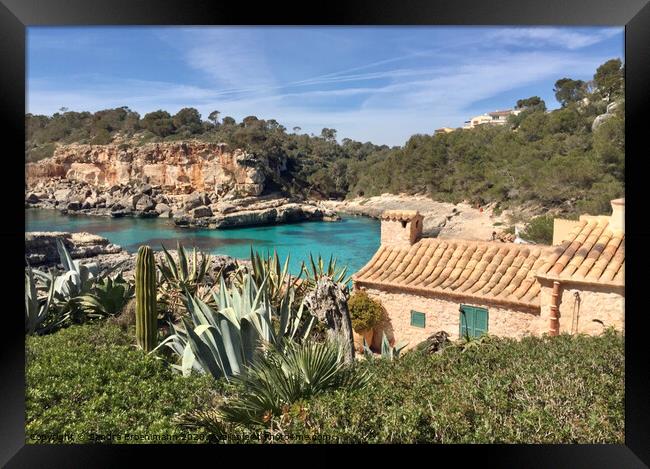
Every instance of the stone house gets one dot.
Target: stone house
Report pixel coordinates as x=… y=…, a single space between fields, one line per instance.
x=469 y=287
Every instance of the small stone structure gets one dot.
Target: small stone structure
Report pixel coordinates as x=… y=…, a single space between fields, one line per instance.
x=505 y=289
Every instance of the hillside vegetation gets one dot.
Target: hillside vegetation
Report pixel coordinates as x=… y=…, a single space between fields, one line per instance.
x=553 y=159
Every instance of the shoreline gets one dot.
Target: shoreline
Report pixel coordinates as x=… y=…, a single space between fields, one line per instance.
x=171 y=223
x=197 y=209
x=88 y=248
x=441 y=219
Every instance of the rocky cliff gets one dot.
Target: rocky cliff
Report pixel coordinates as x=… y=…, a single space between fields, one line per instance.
x=177 y=167
x=196 y=184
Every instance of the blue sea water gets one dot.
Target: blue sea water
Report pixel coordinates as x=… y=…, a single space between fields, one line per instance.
x=352 y=241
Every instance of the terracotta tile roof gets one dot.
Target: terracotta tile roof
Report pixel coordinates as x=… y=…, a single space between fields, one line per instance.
x=399 y=215
x=593 y=253
x=498 y=272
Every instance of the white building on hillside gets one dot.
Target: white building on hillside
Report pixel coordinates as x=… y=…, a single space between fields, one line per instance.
x=491 y=118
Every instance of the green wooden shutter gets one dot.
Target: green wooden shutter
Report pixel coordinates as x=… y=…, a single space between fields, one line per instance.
x=418 y=319
x=480 y=321
x=473 y=321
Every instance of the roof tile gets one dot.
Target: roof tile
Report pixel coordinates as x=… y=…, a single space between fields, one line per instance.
x=592 y=253
x=458 y=267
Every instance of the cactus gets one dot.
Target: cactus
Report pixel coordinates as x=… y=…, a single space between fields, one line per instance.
x=146 y=314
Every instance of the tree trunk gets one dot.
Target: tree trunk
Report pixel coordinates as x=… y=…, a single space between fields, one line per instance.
x=328 y=301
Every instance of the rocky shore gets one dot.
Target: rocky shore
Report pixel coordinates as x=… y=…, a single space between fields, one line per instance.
x=41 y=252
x=194 y=184
x=441 y=219
x=197 y=209
x=41 y=247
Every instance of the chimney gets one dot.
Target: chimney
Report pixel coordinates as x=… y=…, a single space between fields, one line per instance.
x=401 y=228
x=617 y=219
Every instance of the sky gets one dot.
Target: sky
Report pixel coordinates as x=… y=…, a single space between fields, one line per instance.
x=378 y=84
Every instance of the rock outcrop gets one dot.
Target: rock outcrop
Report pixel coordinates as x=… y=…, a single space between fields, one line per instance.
x=41 y=246
x=254 y=211
x=41 y=251
x=611 y=109
x=196 y=184
x=176 y=167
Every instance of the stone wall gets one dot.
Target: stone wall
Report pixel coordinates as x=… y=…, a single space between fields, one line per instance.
x=443 y=314
x=597 y=303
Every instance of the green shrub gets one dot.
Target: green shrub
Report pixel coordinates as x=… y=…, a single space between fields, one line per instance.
x=292 y=374
x=566 y=389
x=40 y=152
x=365 y=312
x=539 y=230
x=102 y=137
x=90 y=380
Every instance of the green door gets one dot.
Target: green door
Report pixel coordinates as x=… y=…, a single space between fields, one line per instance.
x=473 y=321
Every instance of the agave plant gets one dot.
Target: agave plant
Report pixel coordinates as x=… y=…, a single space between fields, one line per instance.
x=38 y=314
x=268 y=270
x=468 y=342
x=223 y=341
x=186 y=274
x=77 y=279
x=108 y=297
x=287 y=375
x=320 y=269
x=387 y=351
x=65 y=291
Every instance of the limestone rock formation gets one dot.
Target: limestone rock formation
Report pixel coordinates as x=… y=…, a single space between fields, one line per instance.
x=194 y=183
x=177 y=167
x=611 y=108
x=40 y=246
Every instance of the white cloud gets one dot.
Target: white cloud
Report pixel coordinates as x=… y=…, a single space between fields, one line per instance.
x=558 y=37
x=231 y=57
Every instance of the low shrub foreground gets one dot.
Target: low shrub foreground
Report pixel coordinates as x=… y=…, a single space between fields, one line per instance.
x=539 y=390
x=87 y=382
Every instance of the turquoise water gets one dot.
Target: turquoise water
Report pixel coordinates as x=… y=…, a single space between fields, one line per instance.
x=352 y=241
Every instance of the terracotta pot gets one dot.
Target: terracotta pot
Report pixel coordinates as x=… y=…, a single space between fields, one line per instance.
x=358 y=339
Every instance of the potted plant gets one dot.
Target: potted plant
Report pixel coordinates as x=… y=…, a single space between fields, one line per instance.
x=365 y=314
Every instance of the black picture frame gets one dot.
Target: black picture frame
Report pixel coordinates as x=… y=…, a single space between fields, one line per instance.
x=15 y=15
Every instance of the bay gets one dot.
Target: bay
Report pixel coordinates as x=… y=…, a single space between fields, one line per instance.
x=352 y=241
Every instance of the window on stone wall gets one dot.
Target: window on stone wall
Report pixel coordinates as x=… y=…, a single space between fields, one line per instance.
x=418 y=319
